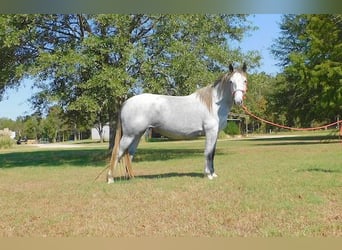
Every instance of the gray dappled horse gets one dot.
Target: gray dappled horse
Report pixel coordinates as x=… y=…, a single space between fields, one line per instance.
x=204 y=111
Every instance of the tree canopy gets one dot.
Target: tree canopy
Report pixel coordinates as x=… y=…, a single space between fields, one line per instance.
x=310 y=50
x=89 y=64
x=86 y=65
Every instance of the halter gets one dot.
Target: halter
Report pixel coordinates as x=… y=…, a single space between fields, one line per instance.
x=244 y=90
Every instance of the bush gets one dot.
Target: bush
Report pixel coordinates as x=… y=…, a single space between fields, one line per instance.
x=5 y=141
x=222 y=135
x=232 y=129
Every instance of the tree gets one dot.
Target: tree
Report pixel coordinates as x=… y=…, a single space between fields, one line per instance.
x=260 y=88
x=32 y=128
x=52 y=124
x=7 y=123
x=12 y=29
x=90 y=64
x=310 y=52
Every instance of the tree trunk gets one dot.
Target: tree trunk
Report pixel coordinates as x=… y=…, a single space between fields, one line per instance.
x=75 y=132
x=99 y=129
x=112 y=129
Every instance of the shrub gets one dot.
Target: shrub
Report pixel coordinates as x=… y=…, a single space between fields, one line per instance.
x=5 y=141
x=222 y=135
x=232 y=129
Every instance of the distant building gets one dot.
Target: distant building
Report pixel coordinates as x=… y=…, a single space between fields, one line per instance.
x=105 y=133
x=8 y=132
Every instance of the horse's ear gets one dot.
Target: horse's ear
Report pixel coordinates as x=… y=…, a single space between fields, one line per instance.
x=231 y=69
x=244 y=67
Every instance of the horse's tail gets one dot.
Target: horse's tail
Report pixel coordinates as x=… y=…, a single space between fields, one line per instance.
x=117 y=139
x=115 y=152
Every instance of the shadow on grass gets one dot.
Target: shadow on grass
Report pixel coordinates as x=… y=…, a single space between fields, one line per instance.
x=88 y=157
x=167 y=154
x=169 y=175
x=297 y=140
x=162 y=176
x=53 y=158
x=321 y=170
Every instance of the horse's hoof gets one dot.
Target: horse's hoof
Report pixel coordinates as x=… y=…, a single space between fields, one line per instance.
x=212 y=176
x=110 y=180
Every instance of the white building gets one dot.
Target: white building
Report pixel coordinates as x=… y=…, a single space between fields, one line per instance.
x=7 y=131
x=105 y=133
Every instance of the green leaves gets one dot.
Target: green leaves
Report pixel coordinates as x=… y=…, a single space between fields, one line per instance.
x=310 y=50
x=89 y=64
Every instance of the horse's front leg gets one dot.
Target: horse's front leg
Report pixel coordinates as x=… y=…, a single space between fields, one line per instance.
x=210 y=146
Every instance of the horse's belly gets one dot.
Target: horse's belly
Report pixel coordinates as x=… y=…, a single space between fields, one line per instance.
x=179 y=133
x=179 y=125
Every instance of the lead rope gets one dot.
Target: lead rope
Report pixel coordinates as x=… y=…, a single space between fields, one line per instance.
x=287 y=127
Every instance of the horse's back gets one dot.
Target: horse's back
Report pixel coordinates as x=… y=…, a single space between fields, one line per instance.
x=141 y=105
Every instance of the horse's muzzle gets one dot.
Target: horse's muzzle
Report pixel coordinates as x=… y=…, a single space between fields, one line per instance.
x=238 y=97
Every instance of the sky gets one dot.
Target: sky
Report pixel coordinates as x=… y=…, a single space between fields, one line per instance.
x=15 y=102
x=262 y=39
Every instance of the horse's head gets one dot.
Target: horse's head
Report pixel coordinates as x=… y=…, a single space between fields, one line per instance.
x=238 y=82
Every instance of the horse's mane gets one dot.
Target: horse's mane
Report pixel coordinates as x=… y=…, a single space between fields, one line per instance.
x=206 y=94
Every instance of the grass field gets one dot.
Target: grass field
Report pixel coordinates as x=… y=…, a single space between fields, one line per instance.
x=267 y=187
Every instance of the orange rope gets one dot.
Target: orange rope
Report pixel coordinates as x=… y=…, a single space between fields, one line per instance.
x=287 y=127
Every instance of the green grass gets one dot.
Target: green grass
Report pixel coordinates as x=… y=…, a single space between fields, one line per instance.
x=289 y=186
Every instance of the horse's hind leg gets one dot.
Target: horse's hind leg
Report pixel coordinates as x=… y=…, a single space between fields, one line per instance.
x=117 y=157
x=124 y=145
x=114 y=158
x=130 y=154
x=133 y=147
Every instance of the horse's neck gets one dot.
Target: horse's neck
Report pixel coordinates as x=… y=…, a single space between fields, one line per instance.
x=222 y=99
